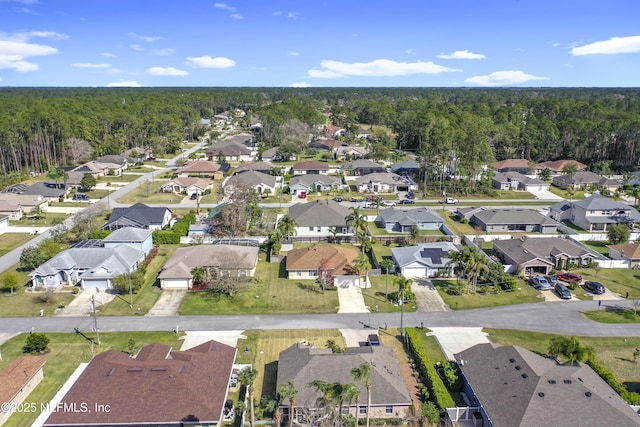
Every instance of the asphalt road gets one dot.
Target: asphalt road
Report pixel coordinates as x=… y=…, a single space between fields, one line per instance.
x=554 y=317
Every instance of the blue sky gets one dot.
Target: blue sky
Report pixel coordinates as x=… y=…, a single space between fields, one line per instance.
x=320 y=43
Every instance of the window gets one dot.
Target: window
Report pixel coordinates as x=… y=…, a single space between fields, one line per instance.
x=388 y=409
x=319 y=229
x=311 y=228
x=363 y=410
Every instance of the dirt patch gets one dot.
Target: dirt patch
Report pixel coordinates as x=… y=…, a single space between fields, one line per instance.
x=391 y=338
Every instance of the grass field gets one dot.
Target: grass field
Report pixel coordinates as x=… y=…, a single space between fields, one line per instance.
x=271 y=292
x=616 y=353
x=46 y=219
x=456 y=226
x=614 y=314
x=375 y=295
x=577 y=195
x=66 y=353
x=523 y=294
x=10 y=241
x=598 y=246
x=617 y=280
x=149 y=192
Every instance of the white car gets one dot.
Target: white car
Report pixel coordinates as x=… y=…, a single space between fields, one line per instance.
x=388 y=203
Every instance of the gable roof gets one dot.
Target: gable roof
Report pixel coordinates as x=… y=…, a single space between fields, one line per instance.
x=46 y=189
x=225 y=257
x=137 y=215
x=511 y=163
x=409 y=217
x=388 y=178
x=410 y=164
x=319 y=213
x=518 y=387
x=189 y=181
x=512 y=216
x=600 y=202
x=128 y=234
x=339 y=258
x=585 y=178
x=311 y=179
x=363 y=164
x=429 y=254
x=310 y=165
x=302 y=364
x=255 y=166
x=559 y=165
x=169 y=386
x=252 y=179
x=629 y=250
x=527 y=248
x=16 y=374
x=200 y=166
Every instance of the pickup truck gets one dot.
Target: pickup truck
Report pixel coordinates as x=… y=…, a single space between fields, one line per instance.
x=448 y=201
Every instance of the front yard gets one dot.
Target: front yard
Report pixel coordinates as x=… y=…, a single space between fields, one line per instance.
x=523 y=294
x=10 y=241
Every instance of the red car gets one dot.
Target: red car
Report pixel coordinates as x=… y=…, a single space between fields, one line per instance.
x=569 y=277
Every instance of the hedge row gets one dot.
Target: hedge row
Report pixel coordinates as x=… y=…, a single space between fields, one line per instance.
x=437 y=390
x=632 y=398
x=172 y=237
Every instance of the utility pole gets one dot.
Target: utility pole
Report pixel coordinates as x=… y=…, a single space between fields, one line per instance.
x=95 y=318
x=130 y=292
x=402 y=315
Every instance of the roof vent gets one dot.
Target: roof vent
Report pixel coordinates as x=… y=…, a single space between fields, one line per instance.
x=512 y=360
x=551 y=381
x=134 y=369
x=111 y=371
x=580 y=379
x=518 y=367
x=567 y=381
x=525 y=376
x=541 y=394
x=588 y=394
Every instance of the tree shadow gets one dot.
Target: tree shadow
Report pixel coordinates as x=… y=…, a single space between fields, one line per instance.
x=270 y=373
x=633 y=386
x=310 y=287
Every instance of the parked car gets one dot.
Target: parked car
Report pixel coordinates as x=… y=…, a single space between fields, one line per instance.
x=449 y=201
x=337 y=199
x=302 y=195
x=407 y=202
x=596 y=288
x=373 y=198
x=373 y=340
x=562 y=291
x=569 y=277
x=81 y=197
x=552 y=280
x=388 y=203
x=151 y=158
x=411 y=195
x=540 y=283
x=194 y=196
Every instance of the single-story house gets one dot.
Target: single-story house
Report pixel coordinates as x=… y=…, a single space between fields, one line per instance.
x=511 y=386
x=407 y=168
x=230 y=150
x=319 y=218
x=425 y=260
x=264 y=167
x=4 y=223
x=187 y=185
x=96 y=169
x=362 y=167
x=219 y=260
x=559 y=166
x=401 y=220
x=10 y=210
x=171 y=388
x=303 y=364
x=540 y=255
x=310 y=167
x=384 y=182
x=273 y=155
x=326 y=144
x=49 y=190
x=518 y=181
x=201 y=168
x=334 y=131
x=628 y=252
x=18 y=380
x=595 y=213
x=350 y=152
x=584 y=179
x=10 y=202
x=509 y=220
x=261 y=182
x=512 y=165
x=313 y=183
x=334 y=262
x=91 y=267
x=139 y=238
x=139 y=215
x=118 y=159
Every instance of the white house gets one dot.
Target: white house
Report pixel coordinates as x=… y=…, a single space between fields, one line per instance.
x=320 y=218
x=425 y=260
x=384 y=182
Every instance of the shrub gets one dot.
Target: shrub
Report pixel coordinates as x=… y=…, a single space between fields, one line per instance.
x=36 y=343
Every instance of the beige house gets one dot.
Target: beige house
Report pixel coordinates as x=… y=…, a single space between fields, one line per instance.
x=629 y=252
x=18 y=380
x=337 y=261
x=17 y=205
x=187 y=185
x=201 y=168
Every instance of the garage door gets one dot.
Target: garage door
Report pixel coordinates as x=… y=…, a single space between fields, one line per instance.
x=174 y=283
x=414 y=272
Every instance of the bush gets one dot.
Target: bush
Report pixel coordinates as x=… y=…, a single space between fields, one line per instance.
x=36 y=343
x=630 y=397
x=430 y=412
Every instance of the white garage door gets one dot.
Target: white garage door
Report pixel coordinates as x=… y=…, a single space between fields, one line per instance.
x=174 y=283
x=411 y=272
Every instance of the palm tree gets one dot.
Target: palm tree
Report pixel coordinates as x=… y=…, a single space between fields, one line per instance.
x=414 y=232
x=331 y=396
x=350 y=393
x=387 y=264
x=363 y=373
x=199 y=274
x=357 y=220
x=288 y=391
x=476 y=262
x=287 y=226
x=334 y=233
x=247 y=376
x=361 y=267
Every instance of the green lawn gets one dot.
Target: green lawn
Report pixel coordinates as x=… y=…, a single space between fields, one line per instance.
x=617 y=280
x=66 y=353
x=97 y=194
x=616 y=353
x=10 y=241
x=269 y=292
x=128 y=177
x=147 y=296
x=598 y=246
x=451 y=221
x=577 y=195
x=47 y=219
x=613 y=314
x=149 y=192
x=375 y=295
x=382 y=251
x=523 y=294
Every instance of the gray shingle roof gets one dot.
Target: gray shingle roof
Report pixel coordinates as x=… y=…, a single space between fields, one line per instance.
x=383 y=178
x=253 y=178
x=406 y=165
x=584 y=178
x=527 y=248
x=310 y=179
x=408 y=217
x=138 y=215
x=512 y=216
x=429 y=254
x=319 y=213
x=599 y=202
x=128 y=234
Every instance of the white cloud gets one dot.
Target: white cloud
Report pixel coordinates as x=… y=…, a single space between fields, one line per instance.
x=108 y=55
x=209 y=62
x=124 y=84
x=166 y=71
x=236 y=16
x=136 y=47
x=16 y=48
x=292 y=53
x=461 y=54
x=290 y=15
x=224 y=7
x=148 y=39
x=114 y=71
x=504 y=78
x=277 y=13
x=556 y=44
x=300 y=84
x=609 y=47
x=89 y=65
x=410 y=52
x=163 y=52
x=376 y=68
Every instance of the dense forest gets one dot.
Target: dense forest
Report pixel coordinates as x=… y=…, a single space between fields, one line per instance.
x=41 y=128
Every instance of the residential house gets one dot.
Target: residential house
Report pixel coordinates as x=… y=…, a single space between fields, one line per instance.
x=540 y=255
x=513 y=219
x=171 y=388
x=334 y=131
x=362 y=167
x=332 y=262
x=122 y=160
x=205 y=123
x=236 y=149
x=140 y=216
x=16 y=205
x=203 y=168
x=559 y=166
x=187 y=185
x=51 y=191
x=595 y=213
x=407 y=168
x=512 y=165
x=518 y=181
x=425 y=260
x=139 y=154
x=97 y=169
x=584 y=179
x=264 y=167
x=511 y=386
x=90 y=267
x=384 y=182
x=303 y=364
x=261 y=182
x=319 y=183
x=4 y=223
x=363 y=133
x=401 y=220
x=221 y=261
x=10 y=210
x=320 y=218
x=627 y=251
x=327 y=144
x=139 y=238
x=273 y=155
x=18 y=378
x=310 y=167
x=350 y=152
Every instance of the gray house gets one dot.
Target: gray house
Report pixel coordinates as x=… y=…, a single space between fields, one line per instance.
x=595 y=213
x=320 y=183
x=401 y=220
x=425 y=260
x=140 y=216
x=509 y=220
x=363 y=167
x=518 y=181
x=511 y=386
x=139 y=238
x=319 y=218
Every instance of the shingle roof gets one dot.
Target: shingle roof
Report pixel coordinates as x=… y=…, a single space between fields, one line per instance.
x=527 y=248
x=511 y=163
x=16 y=374
x=429 y=254
x=138 y=215
x=310 y=165
x=128 y=234
x=339 y=258
x=253 y=178
x=383 y=178
x=512 y=216
x=363 y=164
x=319 y=213
x=407 y=164
x=630 y=250
x=599 y=202
x=302 y=365
x=158 y=386
x=409 y=217
x=310 y=179
x=225 y=257
x=255 y=166
x=518 y=387
x=200 y=166
x=559 y=165
x=585 y=178
x=45 y=189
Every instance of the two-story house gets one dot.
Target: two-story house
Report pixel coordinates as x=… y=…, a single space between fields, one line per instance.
x=595 y=213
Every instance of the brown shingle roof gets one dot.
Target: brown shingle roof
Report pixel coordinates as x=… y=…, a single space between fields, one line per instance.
x=339 y=258
x=559 y=165
x=630 y=250
x=511 y=163
x=200 y=166
x=16 y=374
x=223 y=256
x=155 y=387
x=310 y=165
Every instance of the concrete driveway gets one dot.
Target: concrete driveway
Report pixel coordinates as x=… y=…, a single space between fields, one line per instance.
x=427 y=297
x=454 y=340
x=169 y=303
x=357 y=337
x=81 y=305
x=351 y=300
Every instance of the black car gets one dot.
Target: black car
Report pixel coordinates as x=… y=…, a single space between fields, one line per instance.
x=81 y=197
x=337 y=199
x=411 y=195
x=373 y=340
x=407 y=202
x=194 y=196
x=596 y=288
